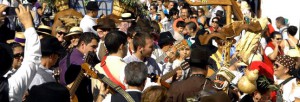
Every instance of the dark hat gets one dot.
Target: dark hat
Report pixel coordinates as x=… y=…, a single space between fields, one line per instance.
x=49 y=92
x=92 y=5
x=219 y=13
x=105 y=23
x=200 y=55
x=44 y=30
x=165 y=38
x=50 y=45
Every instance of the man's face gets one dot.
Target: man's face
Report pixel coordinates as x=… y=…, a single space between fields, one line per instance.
x=184 y=14
x=75 y=39
x=184 y=52
x=279 y=70
x=148 y=48
x=175 y=16
x=54 y=58
x=95 y=14
x=92 y=46
x=171 y=5
x=188 y=30
x=18 y=57
x=277 y=25
x=180 y=29
x=124 y=26
x=152 y=10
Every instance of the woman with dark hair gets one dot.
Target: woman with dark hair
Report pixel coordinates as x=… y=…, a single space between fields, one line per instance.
x=154 y=94
x=201 y=16
x=273 y=49
x=18 y=56
x=291 y=42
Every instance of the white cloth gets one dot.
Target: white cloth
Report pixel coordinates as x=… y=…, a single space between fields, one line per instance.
x=87 y=24
x=178 y=37
x=287 y=89
x=98 y=48
x=150 y=63
x=164 y=67
x=43 y=75
x=10 y=73
x=116 y=66
x=19 y=82
x=268 y=51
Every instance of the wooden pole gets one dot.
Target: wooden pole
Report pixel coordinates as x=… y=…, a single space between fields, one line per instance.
x=228 y=14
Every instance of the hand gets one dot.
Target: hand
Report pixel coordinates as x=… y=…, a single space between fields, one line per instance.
x=44 y=5
x=2 y=8
x=24 y=16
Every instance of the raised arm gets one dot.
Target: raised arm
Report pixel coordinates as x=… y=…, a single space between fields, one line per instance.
x=20 y=81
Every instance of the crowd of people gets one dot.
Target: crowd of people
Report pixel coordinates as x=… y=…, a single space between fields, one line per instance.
x=152 y=58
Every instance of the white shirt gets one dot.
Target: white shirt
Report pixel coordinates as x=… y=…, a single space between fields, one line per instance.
x=268 y=51
x=98 y=48
x=20 y=81
x=287 y=89
x=87 y=24
x=43 y=75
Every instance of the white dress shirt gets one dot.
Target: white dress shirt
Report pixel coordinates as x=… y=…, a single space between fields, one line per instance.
x=87 y=24
x=20 y=81
x=43 y=75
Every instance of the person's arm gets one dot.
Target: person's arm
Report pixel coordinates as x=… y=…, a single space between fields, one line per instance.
x=274 y=54
x=20 y=81
x=41 y=10
x=2 y=8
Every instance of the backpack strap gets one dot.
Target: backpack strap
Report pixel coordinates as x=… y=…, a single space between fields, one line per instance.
x=108 y=73
x=288 y=43
x=286 y=81
x=4 y=89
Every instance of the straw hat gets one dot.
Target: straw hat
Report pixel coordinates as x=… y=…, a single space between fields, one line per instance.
x=19 y=38
x=73 y=31
x=44 y=30
x=126 y=17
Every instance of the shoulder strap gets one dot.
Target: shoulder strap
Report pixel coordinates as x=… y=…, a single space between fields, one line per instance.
x=286 y=81
x=288 y=43
x=110 y=76
x=68 y=59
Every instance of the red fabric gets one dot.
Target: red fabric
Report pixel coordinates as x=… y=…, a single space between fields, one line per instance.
x=271 y=29
x=267 y=60
x=110 y=76
x=263 y=69
x=273 y=96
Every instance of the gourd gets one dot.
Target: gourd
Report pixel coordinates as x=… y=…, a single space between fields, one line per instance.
x=247 y=83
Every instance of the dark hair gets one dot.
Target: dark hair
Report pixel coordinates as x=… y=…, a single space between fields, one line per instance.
x=180 y=24
x=6 y=58
x=272 y=35
x=136 y=73
x=140 y=40
x=217 y=19
x=87 y=38
x=187 y=6
x=154 y=6
x=292 y=30
x=281 y=20
x=14 y=45
x=113 y=41
x=155 y=26
x=32 y=1
x=192 y=25
x=202 y=10
x=173 y=11
x=154 y=94
x=269 y=20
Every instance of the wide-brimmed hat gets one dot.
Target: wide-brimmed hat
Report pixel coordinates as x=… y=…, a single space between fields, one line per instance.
x=51 y=45
x=105 y=23
x=200 y=55
x=44 y=30
x=165 y=38
x=126 y=17
x=92 y=5
x=19 y=38
x=73 y=31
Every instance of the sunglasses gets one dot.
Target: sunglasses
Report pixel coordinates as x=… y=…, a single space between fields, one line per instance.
x=214 y=21
x=278 y=38
x=61 y=33
x=276 y=66
x=18 y=55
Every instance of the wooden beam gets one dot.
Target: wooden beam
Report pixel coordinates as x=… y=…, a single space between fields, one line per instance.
x=228 y=14
x=208 y=2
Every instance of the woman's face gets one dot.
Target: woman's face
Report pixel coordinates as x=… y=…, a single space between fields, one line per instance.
x=18 y=57
x=60 y=35
x=184 y=52
x=277 y=39
x=75 y=40
x=214 y=23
